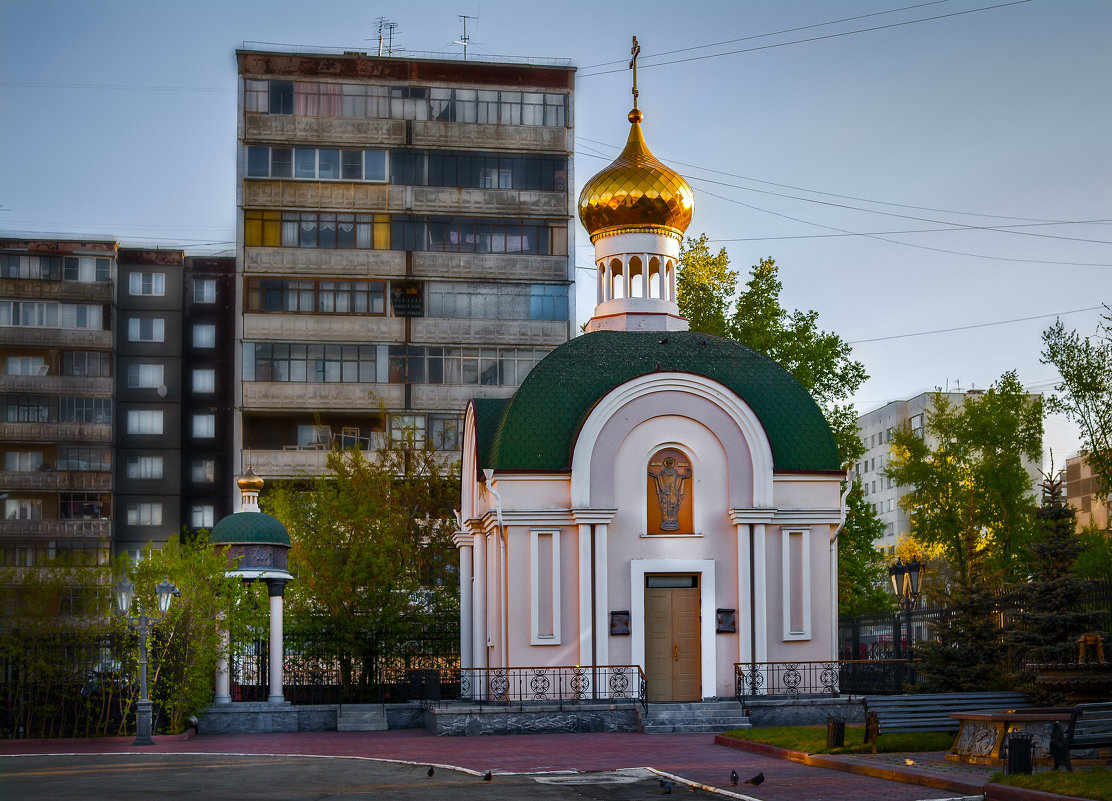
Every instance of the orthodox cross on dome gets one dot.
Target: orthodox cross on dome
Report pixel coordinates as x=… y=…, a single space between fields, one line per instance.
x=636 y=51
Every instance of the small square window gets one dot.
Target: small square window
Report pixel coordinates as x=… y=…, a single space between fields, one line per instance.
x=146 y=329
x=202 y=516
x=204 y=290
x=204 y=335
x=204 y=426
x=203 y=471
x=204 y=381
x=147 y=284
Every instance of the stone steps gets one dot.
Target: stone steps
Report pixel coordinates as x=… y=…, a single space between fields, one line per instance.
x=693 y=717
x=361 y=717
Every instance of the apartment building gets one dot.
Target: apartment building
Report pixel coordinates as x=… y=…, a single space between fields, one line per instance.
x=1081 y=487
x=116 y=390
x=877 y=428
x=403 y=246
x=57 y=326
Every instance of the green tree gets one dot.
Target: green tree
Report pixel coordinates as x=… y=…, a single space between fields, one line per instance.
x=970 y=494
x=185 y=647
x=371 y=549
x=1050 y=618
x=1085 y=392
x=821 y=361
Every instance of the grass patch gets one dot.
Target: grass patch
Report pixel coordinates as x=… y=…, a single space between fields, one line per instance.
x=812 y=740
x=1095 y=783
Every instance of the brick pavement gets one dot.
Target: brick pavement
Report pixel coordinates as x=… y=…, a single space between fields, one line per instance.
x=693 y=757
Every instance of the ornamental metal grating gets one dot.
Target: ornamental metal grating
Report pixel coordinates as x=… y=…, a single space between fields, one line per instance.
x=523 y=686
x=832 y=678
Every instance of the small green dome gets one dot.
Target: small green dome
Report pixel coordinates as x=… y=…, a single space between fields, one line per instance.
x=250 y=527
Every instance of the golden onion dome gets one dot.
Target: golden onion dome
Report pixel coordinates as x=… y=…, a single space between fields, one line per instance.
x=636 y=192
x=250 y=481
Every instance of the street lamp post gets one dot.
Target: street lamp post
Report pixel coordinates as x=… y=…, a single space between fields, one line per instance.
x=905 y=586
x=125 y=594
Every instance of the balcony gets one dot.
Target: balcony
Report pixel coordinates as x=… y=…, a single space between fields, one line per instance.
x=484 y=137
x=320 y=328
x=323 y=195
x=57 y=529
x=488 y=202
x=55 y=338
x=437 y=331
x=490 y=266
x=295 y=462
x=56 y=481
x=57 y=385
x=322 y=262
x=453 y=398
x=30 y=289
x=322 y=130
x=56 y=432
x=262 y=396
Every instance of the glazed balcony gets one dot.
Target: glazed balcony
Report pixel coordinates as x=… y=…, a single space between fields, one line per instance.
x=57 y=385
x=263 y=396
x=485 y=137
x=284 y=128
x=321 y=328
x=55 y=338
x=321 y=262
x=490 y=266
x=31 y=289
x=436 y=331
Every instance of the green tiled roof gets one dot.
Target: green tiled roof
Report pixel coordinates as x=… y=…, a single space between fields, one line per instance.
x=488 y=414
x=250 y=527
x=540 y=423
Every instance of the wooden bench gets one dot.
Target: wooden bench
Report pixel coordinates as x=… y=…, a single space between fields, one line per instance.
x=929 y=711
x=1093 y=728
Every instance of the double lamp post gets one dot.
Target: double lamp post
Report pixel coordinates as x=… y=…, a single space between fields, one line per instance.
x=125 y=595
x=905 y=586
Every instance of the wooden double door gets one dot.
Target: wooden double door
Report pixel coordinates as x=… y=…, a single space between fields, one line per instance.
x=672 y=659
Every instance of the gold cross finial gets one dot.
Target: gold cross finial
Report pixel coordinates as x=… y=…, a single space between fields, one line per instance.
x=635 y=50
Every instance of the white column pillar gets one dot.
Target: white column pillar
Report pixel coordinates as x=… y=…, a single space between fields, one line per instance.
x=583 y=571
x=602 y=602
x=466 y=607
x=277 y=654
x=223 y=674
x=745 y=612
x=760 y=593
x=479 y=606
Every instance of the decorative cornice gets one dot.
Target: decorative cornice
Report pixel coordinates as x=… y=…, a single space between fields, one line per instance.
x=659 y=230
x=739 y=516
x=787 y=517
x=586 y=516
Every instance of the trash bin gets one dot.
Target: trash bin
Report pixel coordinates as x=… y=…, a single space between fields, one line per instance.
x=1019 y=752
x=835 y=732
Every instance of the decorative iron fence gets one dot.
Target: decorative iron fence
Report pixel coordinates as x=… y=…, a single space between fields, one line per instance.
x=521 y=686
x=833 y=678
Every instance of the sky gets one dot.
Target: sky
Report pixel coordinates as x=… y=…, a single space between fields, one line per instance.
x=933 y=178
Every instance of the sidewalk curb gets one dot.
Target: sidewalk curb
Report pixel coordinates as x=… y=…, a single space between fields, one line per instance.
x=905 y=775
x=1009 y=792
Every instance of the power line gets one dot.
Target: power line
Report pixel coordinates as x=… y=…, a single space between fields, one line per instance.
x=975 y=325
x=811 y=39
x=126 y=87
x=772 y=33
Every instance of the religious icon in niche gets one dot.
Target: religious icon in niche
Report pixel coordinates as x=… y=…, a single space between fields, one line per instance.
x=669 y=493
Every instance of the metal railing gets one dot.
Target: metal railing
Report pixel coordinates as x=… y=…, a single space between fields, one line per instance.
x=524 y=686
x=833 y=678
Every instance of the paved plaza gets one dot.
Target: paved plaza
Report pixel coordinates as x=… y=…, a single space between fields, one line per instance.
x=395 y=764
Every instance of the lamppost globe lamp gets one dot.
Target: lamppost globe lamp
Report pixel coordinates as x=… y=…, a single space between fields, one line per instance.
x=125 y=595
x=905 y=586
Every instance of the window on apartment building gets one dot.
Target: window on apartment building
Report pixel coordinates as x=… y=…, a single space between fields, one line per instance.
x=280 y=97
x=86 y=269
x=204 y=290
x=204 y=381
x=81 y=458
x=317 y=164
x=145 y=376
x=41 y=268
x=22 y=461
x=408 y=428
x=87 y=363
x=202 y=516
x=28 y=409
x=314 y=436
x=144 y=467
x=469 y=300
x=47 y=314
x=266 y=361
x=203 y=471
x=85 y=410
x=204 y=426
x=27 y=365
x=317 y=297
x=144 y=421
x=83 y=506
x=445 y=431
x=144 y=514
x=204 y=335
x=146 y=329
x=147 y=284
x=23 y=509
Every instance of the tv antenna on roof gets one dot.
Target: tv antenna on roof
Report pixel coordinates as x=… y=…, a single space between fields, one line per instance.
x=389 y=27
x=463 y=40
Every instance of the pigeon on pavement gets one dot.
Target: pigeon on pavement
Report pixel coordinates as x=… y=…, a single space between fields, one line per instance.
x=756 y=780
x=488 y=776
x=733 y=777
x=432 y=771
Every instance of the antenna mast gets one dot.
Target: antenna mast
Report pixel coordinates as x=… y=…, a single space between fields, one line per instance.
x=388 y=26
x=463 y=40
